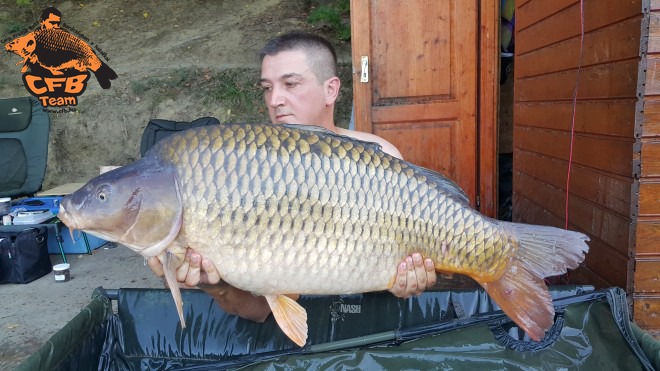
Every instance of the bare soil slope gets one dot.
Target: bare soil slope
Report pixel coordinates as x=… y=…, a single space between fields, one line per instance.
x=175 y=60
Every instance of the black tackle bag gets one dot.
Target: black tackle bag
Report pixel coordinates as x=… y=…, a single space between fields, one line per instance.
x=24 y=255
x=158 y=129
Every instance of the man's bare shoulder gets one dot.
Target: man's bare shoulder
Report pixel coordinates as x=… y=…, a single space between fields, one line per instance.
x=368 y=137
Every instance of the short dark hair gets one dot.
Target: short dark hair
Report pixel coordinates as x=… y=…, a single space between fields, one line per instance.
x=319 y=52
x=49 y=11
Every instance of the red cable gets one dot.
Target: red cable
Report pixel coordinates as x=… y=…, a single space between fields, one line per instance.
x=577 y=83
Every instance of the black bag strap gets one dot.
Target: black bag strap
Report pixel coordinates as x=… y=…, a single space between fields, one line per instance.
x=158 y=129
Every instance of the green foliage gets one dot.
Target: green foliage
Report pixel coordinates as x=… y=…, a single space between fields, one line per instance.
x=12 y=27
x=24 y=2
x=237 y=90
x=336 y=16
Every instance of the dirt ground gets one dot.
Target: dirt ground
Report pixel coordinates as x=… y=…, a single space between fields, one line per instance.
x=175 y=60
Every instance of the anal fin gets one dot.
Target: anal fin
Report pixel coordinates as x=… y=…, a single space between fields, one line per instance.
x=525 y=298
x=290 y=316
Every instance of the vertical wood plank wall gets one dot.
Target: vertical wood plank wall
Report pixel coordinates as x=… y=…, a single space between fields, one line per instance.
x=615 y=174
x=646 y=294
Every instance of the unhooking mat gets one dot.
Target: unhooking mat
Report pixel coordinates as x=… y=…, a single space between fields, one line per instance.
x=459 y=330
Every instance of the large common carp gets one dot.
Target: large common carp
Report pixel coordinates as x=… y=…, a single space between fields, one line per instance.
x=285 y=209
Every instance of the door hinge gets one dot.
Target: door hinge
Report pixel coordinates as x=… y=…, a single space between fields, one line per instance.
x=364 y=74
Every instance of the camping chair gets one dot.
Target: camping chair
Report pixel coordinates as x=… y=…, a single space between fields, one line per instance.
x=24 y=129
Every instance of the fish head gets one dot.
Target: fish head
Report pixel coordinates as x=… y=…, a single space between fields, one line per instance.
x=138 y=205
x=22 y=46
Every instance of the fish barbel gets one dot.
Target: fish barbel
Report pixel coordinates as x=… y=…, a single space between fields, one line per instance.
x=287 y=209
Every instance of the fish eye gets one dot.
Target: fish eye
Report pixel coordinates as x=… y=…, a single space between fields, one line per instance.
x=102 y=194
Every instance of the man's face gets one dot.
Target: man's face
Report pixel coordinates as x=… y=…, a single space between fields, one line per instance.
x=53 y=21
x=292 y=92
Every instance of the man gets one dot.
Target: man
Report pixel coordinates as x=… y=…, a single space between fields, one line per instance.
x=300 y=83
x=50 y=18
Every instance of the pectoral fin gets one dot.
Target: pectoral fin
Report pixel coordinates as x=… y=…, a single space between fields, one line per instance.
x=290 y=316
x=170 y=263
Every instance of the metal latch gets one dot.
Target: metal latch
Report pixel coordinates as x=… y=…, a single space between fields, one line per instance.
x=364 y=75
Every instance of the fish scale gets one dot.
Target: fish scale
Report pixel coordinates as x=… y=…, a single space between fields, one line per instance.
x=287 y=209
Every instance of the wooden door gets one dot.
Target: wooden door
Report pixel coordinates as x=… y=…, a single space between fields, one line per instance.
x=421 y=93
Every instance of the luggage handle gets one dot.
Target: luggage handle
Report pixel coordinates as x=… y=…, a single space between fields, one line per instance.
x=525 y=344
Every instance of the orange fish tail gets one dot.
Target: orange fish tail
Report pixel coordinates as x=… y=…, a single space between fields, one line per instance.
x=524 y=298
x=520 y=291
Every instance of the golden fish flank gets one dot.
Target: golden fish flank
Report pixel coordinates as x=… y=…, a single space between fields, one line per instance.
x=296 y=210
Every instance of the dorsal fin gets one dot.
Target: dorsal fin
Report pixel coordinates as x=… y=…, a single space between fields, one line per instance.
x=445 y=184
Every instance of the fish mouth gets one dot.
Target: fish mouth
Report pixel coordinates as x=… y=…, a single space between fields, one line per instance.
x=66 y=218
x=73 y=225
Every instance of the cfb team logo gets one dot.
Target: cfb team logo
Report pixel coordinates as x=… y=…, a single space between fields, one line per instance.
x=56 y=63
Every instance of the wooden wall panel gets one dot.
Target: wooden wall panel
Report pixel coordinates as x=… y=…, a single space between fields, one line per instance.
x=605 y=153
x=605 y=81
x=648 y=237
x=647 y=276
x=611 y=118
x=651 y=158
x=596 y=221
x=654 y=33
x=615 y=176
x=646 y=249
x=536 y=11
x=649 y=194
x=652 y=76
x=646 y=309
x=651 y=124
x=549 y=28
x=616 y=42
x=600 y=188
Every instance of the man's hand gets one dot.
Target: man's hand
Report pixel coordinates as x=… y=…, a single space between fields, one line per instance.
x=413 y=276
x=196 y=271
x=193 y=272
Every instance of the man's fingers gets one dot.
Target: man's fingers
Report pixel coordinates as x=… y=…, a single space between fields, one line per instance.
x=431 y=275
x=399 y=287
x=155 y=266
x=210 y=275
x=412 y=278
x=192 y=276
x=420 y=274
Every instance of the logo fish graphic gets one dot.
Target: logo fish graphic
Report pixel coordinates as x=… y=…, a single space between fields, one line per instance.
x=58 y=62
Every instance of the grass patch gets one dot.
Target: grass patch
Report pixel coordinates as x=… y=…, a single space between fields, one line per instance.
x=336 y=16
x=238 y=91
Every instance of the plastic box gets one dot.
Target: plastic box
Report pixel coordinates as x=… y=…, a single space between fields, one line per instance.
x=32 y=217
x=51 y=203
x=72 y=246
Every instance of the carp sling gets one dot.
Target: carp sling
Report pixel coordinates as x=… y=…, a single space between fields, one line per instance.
x=291 y=209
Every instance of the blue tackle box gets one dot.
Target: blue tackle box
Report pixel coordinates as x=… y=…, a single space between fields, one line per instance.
x=51 y=203
x=70 y=244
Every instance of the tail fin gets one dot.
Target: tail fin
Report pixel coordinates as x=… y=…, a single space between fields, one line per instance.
x=104 y=74
x=521 y=292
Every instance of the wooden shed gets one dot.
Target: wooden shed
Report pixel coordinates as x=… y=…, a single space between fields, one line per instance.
x=613 y=139
x=432 y=90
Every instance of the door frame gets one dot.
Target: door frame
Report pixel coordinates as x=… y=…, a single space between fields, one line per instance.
x=487 y=95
